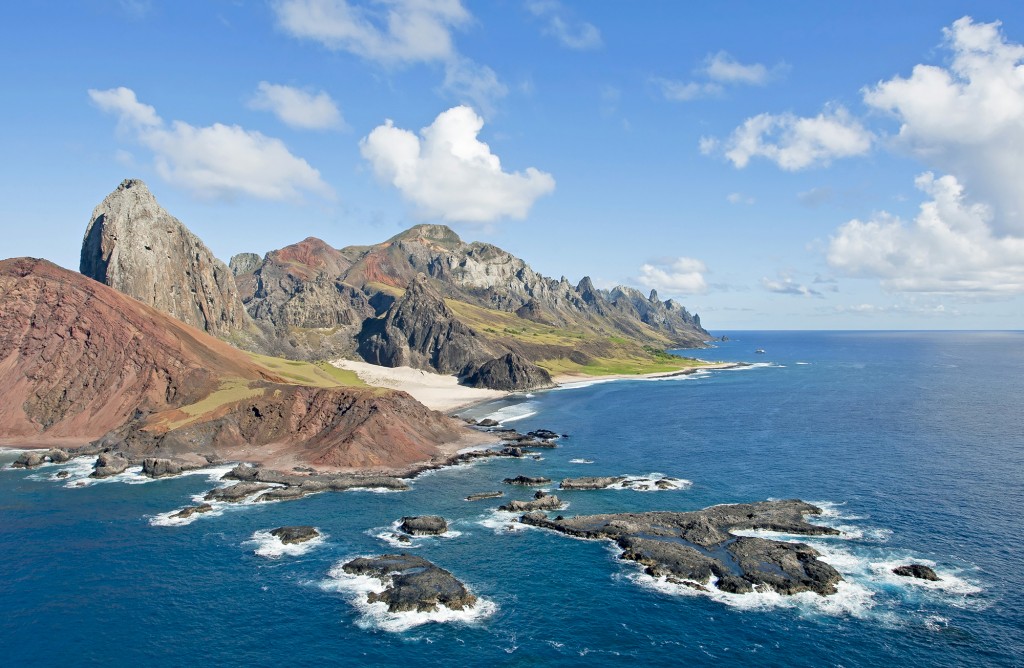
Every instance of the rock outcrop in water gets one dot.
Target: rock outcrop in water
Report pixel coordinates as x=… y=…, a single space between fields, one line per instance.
x=412 y=583
x=133 y=245
x=295 y=534
x=424 y=525
x=919 y=571
x=690 y=548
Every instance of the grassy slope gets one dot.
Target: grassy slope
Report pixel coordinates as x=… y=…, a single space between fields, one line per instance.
x=314 y=374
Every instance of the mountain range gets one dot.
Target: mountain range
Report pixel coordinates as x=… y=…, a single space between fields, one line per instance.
x=423 y=298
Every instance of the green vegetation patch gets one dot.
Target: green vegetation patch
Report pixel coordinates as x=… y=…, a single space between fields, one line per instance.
x=230 y=391
x=621 y=366
x=314 y=374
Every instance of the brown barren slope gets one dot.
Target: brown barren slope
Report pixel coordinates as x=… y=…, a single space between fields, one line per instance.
x=80 y=360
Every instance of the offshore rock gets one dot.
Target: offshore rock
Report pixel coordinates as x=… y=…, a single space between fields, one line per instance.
x=919 y=571
x=545 y=502
x=590 y=482
x=133 y=245
x=509 y=372
x=686 y=547
x=526 y=480
x=159 y=468
x=296 y=534
x=412 y=583
x=479 y=496
x=235 y=493
x=108 y=464
x=425 y=525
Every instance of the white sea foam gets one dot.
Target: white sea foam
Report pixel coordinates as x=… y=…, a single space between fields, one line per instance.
x=513 y=413
x=271 y=547
x=581 y=461
x=393 y=535
x=648 y=482
x=502 y=521
x=803 y=363
x=168 y=519
x=377 y=616
x=580 y=384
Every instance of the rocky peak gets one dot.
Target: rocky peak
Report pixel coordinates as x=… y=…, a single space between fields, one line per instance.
x=244 y=263
x=419 y=330
x=432 y=234
x=133 y=245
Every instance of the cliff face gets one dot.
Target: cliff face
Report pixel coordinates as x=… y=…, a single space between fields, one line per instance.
x=78 y=358
x=81 y=360
x=137 y=248
x=419 y=330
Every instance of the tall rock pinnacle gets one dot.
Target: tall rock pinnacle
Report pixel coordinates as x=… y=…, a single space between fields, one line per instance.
x=137 y=248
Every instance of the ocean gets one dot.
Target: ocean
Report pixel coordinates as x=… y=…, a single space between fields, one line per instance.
x=912 y=442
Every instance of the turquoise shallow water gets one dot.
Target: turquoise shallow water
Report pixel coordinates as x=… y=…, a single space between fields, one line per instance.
x=914 y=443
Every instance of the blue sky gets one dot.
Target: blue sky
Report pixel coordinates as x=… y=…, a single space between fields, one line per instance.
x=822 y=165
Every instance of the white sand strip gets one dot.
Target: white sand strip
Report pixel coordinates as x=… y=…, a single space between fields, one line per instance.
x=437 y=392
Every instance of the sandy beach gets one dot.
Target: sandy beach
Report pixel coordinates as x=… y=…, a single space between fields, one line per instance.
x=435 y=391
x=443 y=393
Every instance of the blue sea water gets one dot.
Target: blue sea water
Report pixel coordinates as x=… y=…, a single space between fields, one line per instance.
x=913 y=442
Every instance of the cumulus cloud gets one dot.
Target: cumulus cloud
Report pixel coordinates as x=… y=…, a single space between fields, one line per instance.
x=967 y=119
x=448 y=173
x=578 y=35
x=794 y=142
x=476 y=84
x=718 y=71
x=684 y=91
x=213 y=161
x=948 y=248
x=786 y=285
x=726 y=69
x=681 y=276
x=403 y=31
x=396 y=33
x=298 y=108
x=739 y=198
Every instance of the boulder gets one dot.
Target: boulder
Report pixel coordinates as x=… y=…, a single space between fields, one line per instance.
x=294 y=534
x=192 y=510
x=28 y=460
x=919 y=571
x=412 y=583
x=526 y=480
x=159 y=468
x=424 y=525
x=108 y=464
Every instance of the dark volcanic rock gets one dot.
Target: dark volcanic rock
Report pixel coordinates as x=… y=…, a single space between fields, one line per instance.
x=235 y=493
x=479 y=496
x=424 y=525
x=526 y=480
x=158 y=468
x=590 y=482
x=688 y=546
x=419 y=330
x=546 y=502
x=412 y=583
x=916 y=571
x=788 y=568
x=487 y=422
x=509 y=372
x=108 y=464
x=193 y=510
x=296 y=534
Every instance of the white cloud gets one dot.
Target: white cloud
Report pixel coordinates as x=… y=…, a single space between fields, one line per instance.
x=786 y=285
x=395 y=33
x=578 y=35
x=298 y=108
x=967 y=119
x=404 y=31
x=682 y=276
x=214 y=161
x=448 y=173
x=794 y=142
x=472 y=83
x=684 y=91
x=739 y=198
x=726 y=69
x=949 y=247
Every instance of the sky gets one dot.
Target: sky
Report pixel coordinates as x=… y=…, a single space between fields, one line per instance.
x=797 y=165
